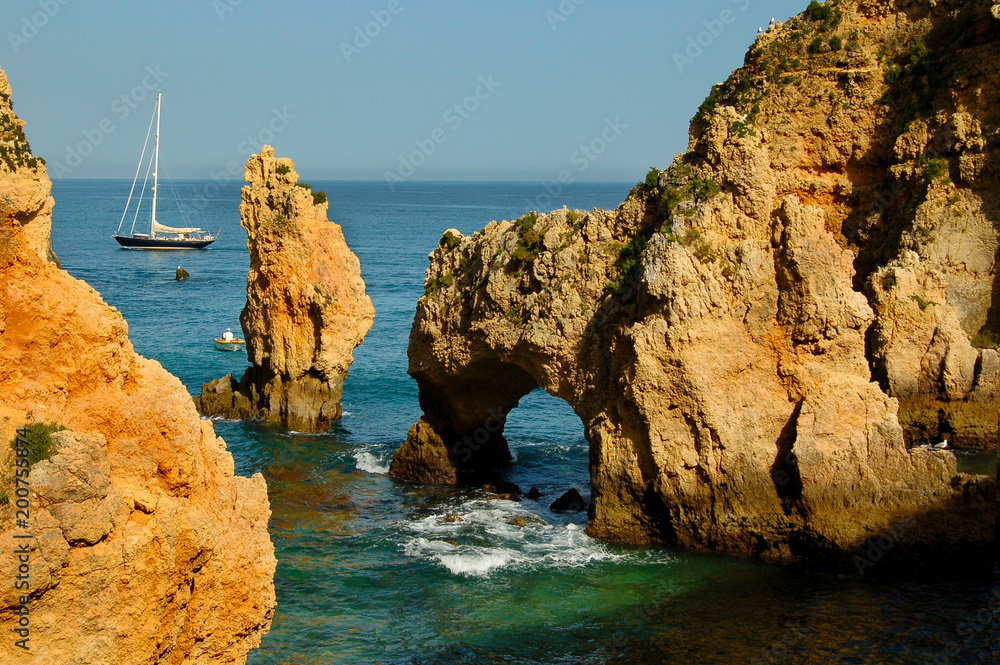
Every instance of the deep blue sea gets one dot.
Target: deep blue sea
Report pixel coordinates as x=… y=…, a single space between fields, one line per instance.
x=366 y=572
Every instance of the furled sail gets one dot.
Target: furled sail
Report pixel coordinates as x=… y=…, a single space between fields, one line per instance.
x=160 y=228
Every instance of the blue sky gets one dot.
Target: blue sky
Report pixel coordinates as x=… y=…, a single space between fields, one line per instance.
x=447 y=90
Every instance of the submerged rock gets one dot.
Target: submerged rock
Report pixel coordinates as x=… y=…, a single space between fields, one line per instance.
x=502 y=487
x=534 y=494
x=570 y=501
x=306 y=306
x=717 y=332
x=146 y=547
x=504 y=496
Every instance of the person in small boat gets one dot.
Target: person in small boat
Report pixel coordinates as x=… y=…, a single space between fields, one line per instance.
x=228 y=335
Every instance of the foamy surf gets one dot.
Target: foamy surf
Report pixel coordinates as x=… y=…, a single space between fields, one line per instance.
x=478 y=538
x=368 y=462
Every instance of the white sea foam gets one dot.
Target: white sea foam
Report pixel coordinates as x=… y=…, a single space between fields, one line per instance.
x=371 y=463
x=488 y=542
x=220 y=419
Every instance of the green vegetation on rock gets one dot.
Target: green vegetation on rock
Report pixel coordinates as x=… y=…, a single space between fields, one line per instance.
x=38 y=439
x=450 y=241
x=529 y=241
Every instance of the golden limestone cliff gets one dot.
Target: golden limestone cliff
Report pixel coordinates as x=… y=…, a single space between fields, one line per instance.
x=143 y=547
x=757 y=339
x=25 y=188
x=306 y=306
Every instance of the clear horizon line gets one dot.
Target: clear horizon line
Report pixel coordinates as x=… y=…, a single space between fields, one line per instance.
x=380 y=180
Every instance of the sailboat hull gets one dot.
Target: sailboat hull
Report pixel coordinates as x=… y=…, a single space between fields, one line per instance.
x=129 y=242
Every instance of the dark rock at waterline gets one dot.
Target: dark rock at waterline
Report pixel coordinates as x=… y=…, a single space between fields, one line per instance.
x=533 y=493
x=222 y=397
x=571 y=501
x=182 y=274
x=505 y=496
x=502 y=487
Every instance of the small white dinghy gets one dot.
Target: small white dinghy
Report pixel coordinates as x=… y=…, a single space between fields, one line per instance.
x=231 y=345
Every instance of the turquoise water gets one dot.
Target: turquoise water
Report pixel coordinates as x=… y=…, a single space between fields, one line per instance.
x=366 y=572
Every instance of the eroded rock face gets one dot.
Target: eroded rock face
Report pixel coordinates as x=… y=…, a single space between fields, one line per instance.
x=716 y=333
x=306 y=306
x=25 y=188
x=146 y=547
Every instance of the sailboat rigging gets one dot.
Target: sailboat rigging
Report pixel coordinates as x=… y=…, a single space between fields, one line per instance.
x=160 y=236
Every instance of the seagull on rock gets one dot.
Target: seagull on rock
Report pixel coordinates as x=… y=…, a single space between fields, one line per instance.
x=935 y=446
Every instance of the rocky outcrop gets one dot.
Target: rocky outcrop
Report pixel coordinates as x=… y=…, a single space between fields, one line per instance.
x=25 y=188
x=717 y=333
x=946 y=388
x=306 y=306
x=144 y=545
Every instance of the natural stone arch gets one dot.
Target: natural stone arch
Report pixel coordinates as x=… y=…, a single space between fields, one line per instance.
x=731 y=412
x=711 y=334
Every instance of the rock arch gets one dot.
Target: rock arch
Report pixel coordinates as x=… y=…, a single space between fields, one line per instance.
x=729 y=407
x=711 y=332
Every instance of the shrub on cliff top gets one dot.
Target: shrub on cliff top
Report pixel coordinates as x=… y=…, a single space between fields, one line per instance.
x=319 y=197
x=450 y=241
x=529 y=241
x=819 y=12
x=37 y=438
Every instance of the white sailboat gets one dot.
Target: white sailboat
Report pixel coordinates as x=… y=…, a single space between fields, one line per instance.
x=160 y=236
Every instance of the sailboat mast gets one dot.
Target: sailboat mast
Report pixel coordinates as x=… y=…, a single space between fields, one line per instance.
x=156 y=165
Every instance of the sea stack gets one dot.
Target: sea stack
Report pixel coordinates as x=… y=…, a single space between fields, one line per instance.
x=143 y=546
x=757 y=338
x=306 y=305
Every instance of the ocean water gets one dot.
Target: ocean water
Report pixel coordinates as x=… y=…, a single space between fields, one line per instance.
x=369 y=571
